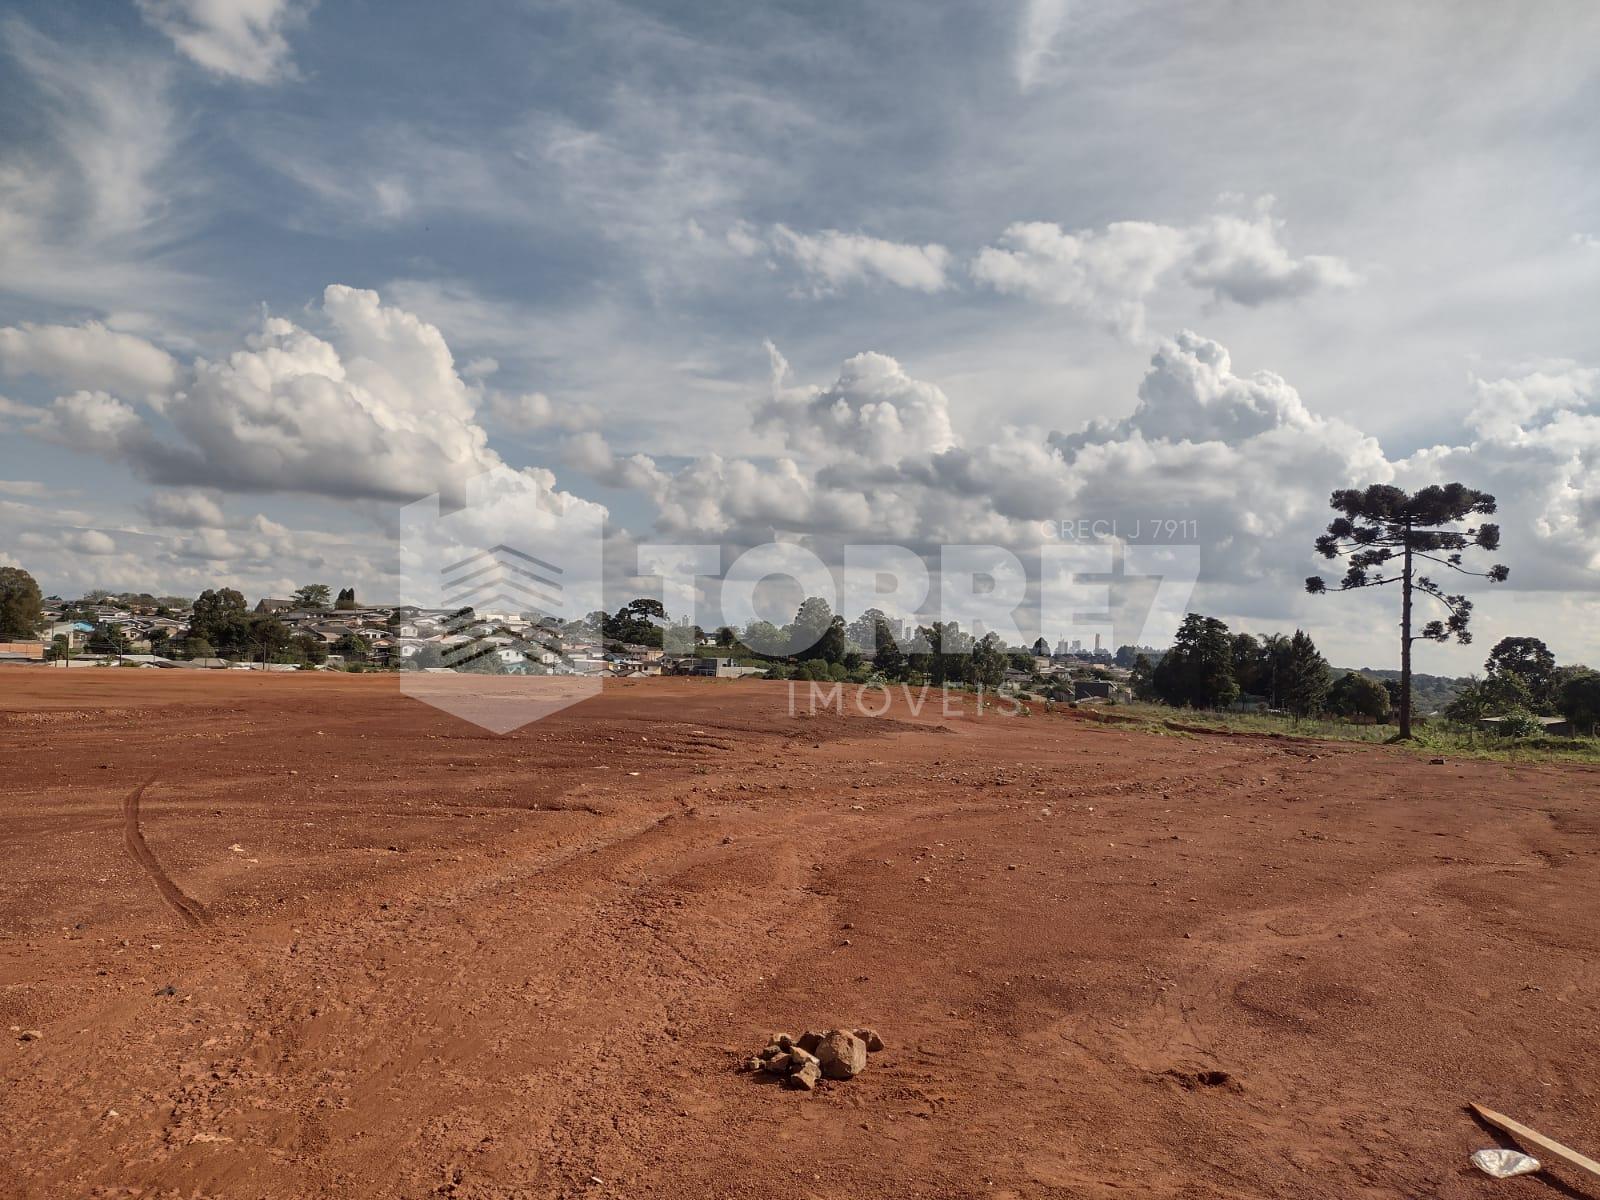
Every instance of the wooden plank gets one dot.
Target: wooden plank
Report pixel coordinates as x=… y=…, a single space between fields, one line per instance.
x=1531 y=1139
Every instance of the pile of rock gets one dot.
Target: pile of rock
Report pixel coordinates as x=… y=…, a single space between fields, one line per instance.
x=802 y=1061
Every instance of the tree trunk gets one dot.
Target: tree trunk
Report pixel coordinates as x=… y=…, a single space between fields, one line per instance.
x=1405 y=644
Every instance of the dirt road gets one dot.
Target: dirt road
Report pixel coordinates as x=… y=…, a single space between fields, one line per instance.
x=294 y=936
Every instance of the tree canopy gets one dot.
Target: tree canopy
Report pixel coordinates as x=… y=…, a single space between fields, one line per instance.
x=1383 y=530
x=20 y=604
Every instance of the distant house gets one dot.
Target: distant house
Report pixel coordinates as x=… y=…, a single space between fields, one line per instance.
x=716 y=668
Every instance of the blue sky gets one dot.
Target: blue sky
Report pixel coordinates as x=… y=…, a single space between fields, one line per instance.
x=827 y=271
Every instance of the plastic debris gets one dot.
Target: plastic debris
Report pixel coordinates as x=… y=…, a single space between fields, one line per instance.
x=1504 y=1164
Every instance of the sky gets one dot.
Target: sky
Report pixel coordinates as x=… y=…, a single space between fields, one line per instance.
x=825 y=274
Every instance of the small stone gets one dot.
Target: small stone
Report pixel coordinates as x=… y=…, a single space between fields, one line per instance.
x=1436 y=762
x=805 y=1079
x=810 y=1040
x=29 y=1035
x=783 y=1040
x=873 y=1042
x=778 y=1064
x=800 y=1059
x=842 y=1054
x=753 y=1064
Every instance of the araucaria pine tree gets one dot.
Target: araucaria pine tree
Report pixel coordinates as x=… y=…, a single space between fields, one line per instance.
x=1384 y=531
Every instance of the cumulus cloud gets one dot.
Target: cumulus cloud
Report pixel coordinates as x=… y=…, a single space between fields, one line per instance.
x=1109 y=273
x=90 y=541
x=1245 y=260
x=186 y=510
x=831 y=260
x=531 y=411
x=375 y=410
x=1106 y=273
x=234 y=39
x=873 y=411
x=87 y=356
x=1534 y=441
x=94 y=423
x=1238 y=459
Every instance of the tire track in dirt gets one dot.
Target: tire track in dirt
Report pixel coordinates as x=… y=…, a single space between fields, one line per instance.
x=191 y=910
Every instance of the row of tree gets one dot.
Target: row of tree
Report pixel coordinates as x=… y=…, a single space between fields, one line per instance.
x=1211 y=667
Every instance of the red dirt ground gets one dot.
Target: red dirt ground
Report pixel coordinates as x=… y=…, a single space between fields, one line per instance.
x=301 y=936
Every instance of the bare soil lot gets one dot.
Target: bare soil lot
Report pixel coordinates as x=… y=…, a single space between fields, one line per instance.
x=301 y=936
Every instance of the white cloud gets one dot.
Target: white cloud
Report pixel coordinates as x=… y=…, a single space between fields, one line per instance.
x=235 y=39
x=1245 y=261
x=1240 y=459
x=377 y=411
x=830 y=259
x=94 y=423
x=1110 y=273
x=874 y=411
x=84 y=210
x=87 y=356
x=185 y=510
x=23 y=487
x=90 y=541
x=1105 y=274
x=1043 y=22
x=530 y=411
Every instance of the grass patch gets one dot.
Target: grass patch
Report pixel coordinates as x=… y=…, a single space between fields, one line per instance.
x=1434 y=738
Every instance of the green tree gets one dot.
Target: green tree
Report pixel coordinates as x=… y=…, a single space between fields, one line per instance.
x=637 y=623
x=1250 y=665
x=220 y=618
x=346 y=599
x=196 y=647
x=1198 y=670
x=765 y=638
x=313 y=595
x=20 y=605
x=351 y=647
x=888 y=659
x=833 y=644
x=1355 y=696
x=1579 y=699
x=1041 y=649
x=989 y=661
x=310 y=649
x=108 y=638
x=949 y=652
x=1305 y=686
x=1531 y=661
x=812 y=621
x=1142 y=678
x=268 y=639
x=1382 y=526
